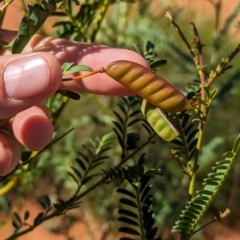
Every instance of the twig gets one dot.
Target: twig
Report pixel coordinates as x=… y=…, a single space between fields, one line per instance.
x=200 y=66
x=168 y=15
x=222 y=216
x=77 y=198
x=220 y=69
x=100 y=17
x=35 y=154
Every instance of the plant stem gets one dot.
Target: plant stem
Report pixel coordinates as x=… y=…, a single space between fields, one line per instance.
x=185 y=237
x=191 y=188
x=24 y=6
x=214 y=220
x=32 y=227
x=9 y=185
x=80 y=77
x=199 y=62
x=168 y=15
x=78 y=197
x=75 y=22
x=136 y=150
x=35 y=155
x=220 y=69
x=139 y=207
x=100 y=17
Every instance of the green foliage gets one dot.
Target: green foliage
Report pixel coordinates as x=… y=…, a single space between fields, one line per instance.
x=37 y=15
x=199 y=204
x=130 y=155
x=126 y=116
x=188 y=137
x=68 y=68
x=136 y=212
x=91 y=160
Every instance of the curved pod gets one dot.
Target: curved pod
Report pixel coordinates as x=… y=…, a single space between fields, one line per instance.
x=158 y=121
x=148 y=85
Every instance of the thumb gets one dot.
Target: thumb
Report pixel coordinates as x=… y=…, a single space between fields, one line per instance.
x=27 y=79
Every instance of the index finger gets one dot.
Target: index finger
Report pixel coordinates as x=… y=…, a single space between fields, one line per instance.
x=92 y=55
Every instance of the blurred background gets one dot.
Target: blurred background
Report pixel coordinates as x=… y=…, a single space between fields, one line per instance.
x=131 y=25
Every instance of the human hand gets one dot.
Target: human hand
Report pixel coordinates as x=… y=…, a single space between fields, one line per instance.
x=27 y=79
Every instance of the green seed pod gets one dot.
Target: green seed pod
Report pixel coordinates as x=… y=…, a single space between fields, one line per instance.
x=158 y=121
x=148 y=85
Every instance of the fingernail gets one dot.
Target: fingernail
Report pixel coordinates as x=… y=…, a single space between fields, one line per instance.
x=26 y=77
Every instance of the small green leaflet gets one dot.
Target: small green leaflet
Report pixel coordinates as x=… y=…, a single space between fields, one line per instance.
x=32 y=22
x=158 y=63
x=68 y=68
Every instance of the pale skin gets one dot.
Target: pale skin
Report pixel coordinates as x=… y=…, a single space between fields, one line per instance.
x=41 y=60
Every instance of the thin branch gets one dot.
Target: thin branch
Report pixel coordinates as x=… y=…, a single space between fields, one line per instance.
x=35 y=154
x=220 y=69
x=125 y=159
x=168 y=15
x=100 y=17
x=200 y=64
x=78 y=197
x=220 y=217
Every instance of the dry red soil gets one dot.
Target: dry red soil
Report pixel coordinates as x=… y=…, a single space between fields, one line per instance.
x=94 y=229
x=88 y=228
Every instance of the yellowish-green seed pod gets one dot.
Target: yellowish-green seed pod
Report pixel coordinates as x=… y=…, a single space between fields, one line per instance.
x=158 y=121
x=148 y=85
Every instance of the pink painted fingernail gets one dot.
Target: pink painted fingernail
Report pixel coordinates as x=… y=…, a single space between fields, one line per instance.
x=26 y=77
